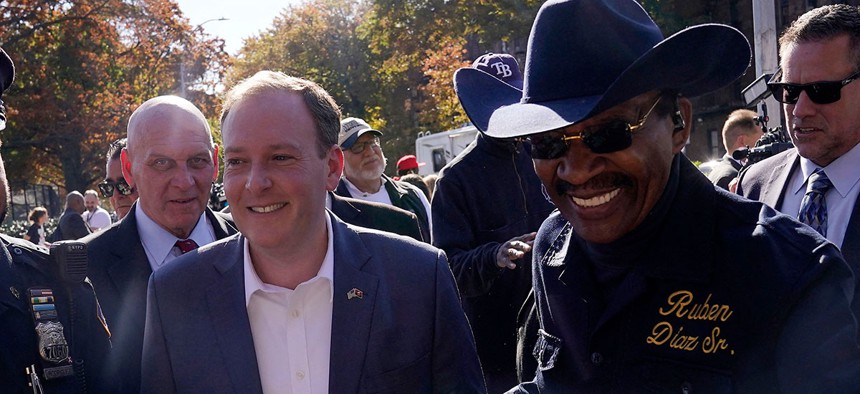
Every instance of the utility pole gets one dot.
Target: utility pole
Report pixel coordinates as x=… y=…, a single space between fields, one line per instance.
x=183 y=85
x=765 y=50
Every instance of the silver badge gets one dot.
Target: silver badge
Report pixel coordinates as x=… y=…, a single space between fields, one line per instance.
x=52 y=344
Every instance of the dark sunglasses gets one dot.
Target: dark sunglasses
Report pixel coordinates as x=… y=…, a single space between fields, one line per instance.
x=821 y=92
x=107 y=187
x=609 y=137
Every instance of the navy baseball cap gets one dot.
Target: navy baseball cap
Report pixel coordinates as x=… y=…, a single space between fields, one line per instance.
x=502 y=66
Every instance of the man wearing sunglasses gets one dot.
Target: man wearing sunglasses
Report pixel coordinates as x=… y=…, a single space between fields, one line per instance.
x=171 y=160
x=114 y=187
x=363 y=177
x=638 y=280
x=818 y=182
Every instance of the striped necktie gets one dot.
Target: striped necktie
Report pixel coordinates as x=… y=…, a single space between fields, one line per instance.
x=813 y=208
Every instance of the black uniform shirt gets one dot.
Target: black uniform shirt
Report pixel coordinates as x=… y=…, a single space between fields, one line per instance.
x=25 y=266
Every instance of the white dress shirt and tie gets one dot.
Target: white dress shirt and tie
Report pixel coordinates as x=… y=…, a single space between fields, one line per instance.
x=160 y=245
x=839 y=199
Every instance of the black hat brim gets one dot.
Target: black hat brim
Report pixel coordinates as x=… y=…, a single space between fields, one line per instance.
x=693 y=61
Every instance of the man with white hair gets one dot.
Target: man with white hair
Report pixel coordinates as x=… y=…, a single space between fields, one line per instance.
x=363 y=177
x=172 y=161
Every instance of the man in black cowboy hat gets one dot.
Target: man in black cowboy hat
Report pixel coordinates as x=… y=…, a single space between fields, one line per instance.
x=638 y=283
x=52 y=336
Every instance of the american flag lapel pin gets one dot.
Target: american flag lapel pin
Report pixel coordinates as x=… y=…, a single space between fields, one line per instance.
x=355 y=293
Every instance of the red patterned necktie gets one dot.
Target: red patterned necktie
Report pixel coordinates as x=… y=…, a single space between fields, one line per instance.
x=186 y=245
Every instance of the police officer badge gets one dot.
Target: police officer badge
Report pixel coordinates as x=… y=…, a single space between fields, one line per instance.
x=52 y=344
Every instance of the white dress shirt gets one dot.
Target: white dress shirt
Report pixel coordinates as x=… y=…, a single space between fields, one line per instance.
x=160 y=245
x=844 y=175
x=292 y=328
x=98 y=219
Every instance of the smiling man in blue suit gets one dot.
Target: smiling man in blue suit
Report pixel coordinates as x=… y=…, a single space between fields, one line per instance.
x=299 y=301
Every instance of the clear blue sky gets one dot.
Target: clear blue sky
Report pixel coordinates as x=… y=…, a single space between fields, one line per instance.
x=246 y=17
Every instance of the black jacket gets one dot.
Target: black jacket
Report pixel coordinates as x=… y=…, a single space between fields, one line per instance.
x=484 y=197
x=376 y=216
x=729 y=296
x=724 y=172
x=71 y=227
x=23 y=266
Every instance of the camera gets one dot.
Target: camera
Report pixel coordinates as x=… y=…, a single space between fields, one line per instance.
x=774 y=141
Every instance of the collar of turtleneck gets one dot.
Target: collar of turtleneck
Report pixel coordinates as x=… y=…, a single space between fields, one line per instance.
x=625 y=251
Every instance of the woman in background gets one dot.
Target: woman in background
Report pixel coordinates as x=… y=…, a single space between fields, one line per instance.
x=36 y=232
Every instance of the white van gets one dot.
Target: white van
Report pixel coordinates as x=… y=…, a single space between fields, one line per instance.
x=437 y=150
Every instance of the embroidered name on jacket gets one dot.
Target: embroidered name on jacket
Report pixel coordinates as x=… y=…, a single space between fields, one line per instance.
x=683 y=307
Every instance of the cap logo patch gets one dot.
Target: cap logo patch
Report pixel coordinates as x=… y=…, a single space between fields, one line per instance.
x=502 y=70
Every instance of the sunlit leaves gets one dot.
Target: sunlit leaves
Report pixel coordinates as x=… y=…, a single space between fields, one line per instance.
x=83 y=66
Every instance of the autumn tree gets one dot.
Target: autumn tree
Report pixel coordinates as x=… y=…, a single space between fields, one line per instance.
x=82 y=67
x=389 y=62
x=440 y=108
x=316 y=41
x=411 y=41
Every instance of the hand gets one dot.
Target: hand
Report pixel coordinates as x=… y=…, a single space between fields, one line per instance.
x=514 y=249
x=733 y=185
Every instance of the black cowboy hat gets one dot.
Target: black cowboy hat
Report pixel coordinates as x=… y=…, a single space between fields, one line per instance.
x=586 y=56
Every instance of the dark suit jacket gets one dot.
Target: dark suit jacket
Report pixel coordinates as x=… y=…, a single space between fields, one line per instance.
x=724 y=171
x=119 y=270
x=407 y=334
x=766 y=181
x=376 y=216
x=72 y=226
x=404 y=196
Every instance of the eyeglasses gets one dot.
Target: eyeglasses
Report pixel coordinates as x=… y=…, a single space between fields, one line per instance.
x=107 y=187
x=821 y=92
x=610 y=137
x=359 y=147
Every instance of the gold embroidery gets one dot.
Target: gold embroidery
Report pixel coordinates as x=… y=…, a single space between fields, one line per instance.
x=663 y=331
x=680 y=304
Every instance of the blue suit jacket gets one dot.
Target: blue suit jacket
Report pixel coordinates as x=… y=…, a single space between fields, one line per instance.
x=407 y=334
x=119 y=270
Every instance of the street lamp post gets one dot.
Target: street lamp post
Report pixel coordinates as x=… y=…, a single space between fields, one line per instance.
x=182 y=79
